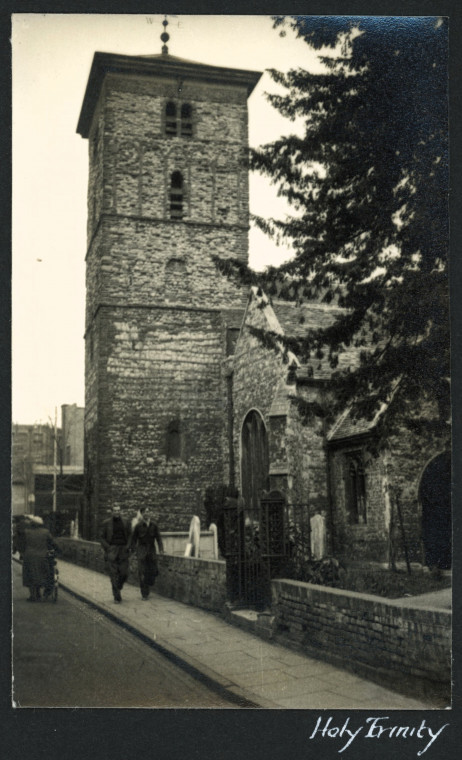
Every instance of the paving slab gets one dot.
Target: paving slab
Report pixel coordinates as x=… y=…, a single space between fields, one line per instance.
x=258 y=672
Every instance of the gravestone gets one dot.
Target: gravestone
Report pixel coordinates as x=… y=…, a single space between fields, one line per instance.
x=192 y=547
x=318 y=536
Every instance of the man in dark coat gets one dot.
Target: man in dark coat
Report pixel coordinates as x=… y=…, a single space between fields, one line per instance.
x=144 y=538
x=114 y=538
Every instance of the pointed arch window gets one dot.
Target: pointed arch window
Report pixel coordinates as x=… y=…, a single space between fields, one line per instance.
x=170 y=119
x=176 y=195
x=254 y=459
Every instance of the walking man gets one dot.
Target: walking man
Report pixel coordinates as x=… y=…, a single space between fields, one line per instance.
x=114 y=538
x=144 y=538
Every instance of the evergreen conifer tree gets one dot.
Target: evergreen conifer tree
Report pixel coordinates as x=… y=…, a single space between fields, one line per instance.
x=367 y=183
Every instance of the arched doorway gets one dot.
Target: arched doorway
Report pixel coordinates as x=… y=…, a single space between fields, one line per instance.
x=254 y=459
x=435 y=499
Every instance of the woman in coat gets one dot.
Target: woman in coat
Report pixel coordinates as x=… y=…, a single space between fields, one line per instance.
x=144 y=538
x=37 y=570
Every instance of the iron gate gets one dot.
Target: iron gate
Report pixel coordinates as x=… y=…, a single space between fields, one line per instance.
x=256 y=548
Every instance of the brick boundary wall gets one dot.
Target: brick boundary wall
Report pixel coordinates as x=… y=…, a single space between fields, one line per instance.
x=372 y=636
x=196 y=581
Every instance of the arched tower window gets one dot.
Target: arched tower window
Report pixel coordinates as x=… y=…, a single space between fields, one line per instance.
x=356 y=489
x=173 y=441
x=170 y=119
x=186 y=120
x=176 y=195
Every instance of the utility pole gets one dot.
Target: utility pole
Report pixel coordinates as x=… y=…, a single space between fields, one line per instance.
x=55 y=459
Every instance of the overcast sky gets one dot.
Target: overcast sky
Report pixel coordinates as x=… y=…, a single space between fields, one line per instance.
x=52 y=56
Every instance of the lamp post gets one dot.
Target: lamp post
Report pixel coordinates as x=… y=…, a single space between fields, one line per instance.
x=55 y=458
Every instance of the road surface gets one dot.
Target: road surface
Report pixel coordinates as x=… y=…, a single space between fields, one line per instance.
x=70 y=655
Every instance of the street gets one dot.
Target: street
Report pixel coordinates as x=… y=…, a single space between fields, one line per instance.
x=69 y=655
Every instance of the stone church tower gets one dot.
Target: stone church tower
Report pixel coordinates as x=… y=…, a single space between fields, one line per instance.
x=168 y=192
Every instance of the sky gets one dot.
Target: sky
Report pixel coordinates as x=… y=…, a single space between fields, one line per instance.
x=52 y=56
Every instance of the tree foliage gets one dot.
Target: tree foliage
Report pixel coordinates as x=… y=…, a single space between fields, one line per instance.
x=367 y=184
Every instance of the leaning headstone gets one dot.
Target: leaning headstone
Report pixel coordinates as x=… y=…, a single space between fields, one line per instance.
x=318 y=536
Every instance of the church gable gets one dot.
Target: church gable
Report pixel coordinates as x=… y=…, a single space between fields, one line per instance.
x=264 y=380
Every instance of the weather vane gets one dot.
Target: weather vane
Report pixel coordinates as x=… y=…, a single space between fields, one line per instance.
x=165 y=36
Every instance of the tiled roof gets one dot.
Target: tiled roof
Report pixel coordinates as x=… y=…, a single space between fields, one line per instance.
x=347 y=427
x=295 y=320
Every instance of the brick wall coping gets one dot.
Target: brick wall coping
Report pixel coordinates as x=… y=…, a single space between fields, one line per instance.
x=305 y=590
x=194 y=559
x=96 y=545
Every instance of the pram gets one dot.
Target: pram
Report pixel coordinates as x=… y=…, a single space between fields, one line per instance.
x=51 y=589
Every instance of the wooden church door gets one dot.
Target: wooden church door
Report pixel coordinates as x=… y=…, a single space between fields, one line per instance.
x=435 y=498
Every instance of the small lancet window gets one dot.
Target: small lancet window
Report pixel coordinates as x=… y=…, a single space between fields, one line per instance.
x=176 y=196
x=170 y=119
x=356 y=490
x=186 y=120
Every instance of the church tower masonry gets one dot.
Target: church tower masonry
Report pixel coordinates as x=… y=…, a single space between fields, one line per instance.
x=168 y=192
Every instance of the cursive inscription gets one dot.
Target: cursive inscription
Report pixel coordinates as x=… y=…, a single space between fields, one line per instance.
x=376 y=728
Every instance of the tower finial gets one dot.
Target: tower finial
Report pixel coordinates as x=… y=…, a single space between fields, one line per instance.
x=165 y=36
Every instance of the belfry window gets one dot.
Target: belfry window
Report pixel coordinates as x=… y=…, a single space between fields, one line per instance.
x=186 y=120
x=356 y=489
x=178 y=122
x=176 y=195
x=170 y=119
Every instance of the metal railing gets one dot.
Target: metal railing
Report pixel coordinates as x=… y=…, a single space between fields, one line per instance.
x=272 y=539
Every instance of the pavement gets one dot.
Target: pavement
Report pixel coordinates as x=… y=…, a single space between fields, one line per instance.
x=247 y=669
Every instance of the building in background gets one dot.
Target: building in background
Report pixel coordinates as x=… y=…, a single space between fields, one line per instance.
x=32 y=446
x=43 y=461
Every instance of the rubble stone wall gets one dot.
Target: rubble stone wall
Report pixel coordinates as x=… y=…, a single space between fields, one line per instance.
x=197 y=581
x=155 y=338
